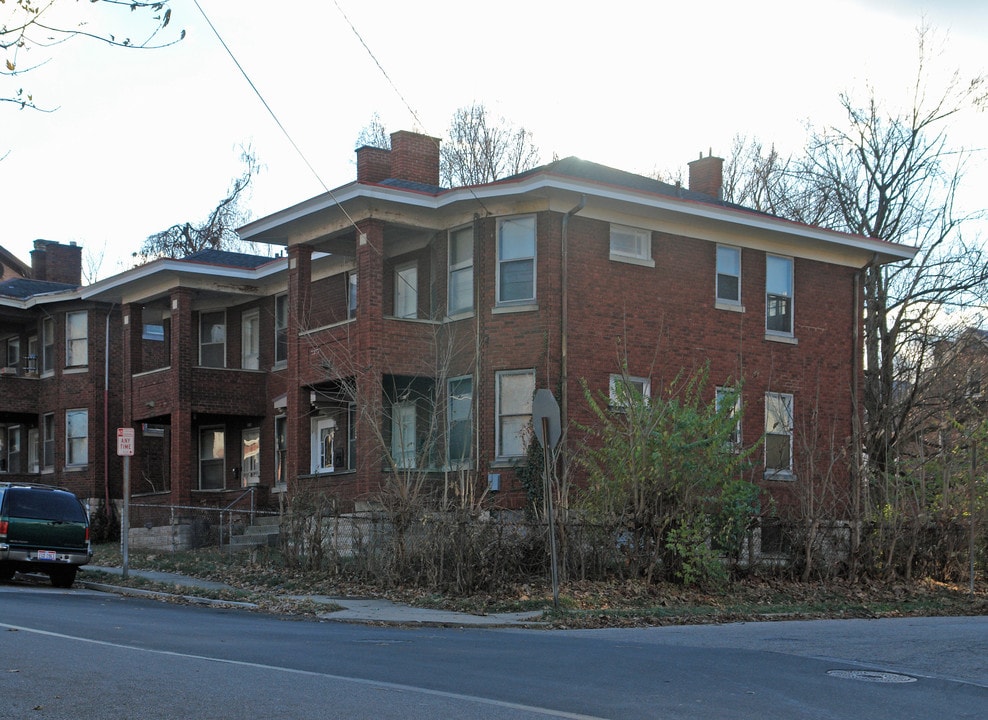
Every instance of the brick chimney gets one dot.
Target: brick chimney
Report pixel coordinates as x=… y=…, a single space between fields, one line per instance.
x=54 y=262
x=415 y=157
x=373 y=164
x=707 y=176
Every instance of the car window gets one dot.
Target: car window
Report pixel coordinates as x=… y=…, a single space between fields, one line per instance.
x=44 y=505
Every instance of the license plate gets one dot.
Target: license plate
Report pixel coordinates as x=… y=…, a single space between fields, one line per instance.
x=47 y=555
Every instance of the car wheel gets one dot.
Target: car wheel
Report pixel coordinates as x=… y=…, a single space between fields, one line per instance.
x=63 y=577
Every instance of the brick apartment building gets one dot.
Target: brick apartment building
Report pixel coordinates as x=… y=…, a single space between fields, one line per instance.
x=407 y=327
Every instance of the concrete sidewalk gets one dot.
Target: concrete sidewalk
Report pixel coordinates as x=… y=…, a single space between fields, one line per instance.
x=354 y=610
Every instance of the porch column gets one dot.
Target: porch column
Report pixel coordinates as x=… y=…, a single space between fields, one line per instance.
x=183 y=355
x=297 y=400
x=369 y=336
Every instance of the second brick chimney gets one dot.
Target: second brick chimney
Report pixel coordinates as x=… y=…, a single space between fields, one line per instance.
x=707 y=176
x=413 y=157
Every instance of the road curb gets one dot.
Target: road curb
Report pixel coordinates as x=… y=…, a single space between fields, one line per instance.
x=135 y=592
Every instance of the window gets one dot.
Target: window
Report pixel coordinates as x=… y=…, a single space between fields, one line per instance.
x=250 y=457
x=48 y=441
x=778 y=435
x=351 y=296
x=459 y=433
x=351 y=416
x=212 y=339
x=14 y=449
x=33 y=461
x=212 y=454
x=728 y=275
x=47 y=345
x=280 y=449
x=778 y=295
x=281 y=328
x=623 y=389
x=13 y=352
x=516 y=260
x=76 y=437
x=76 y=339
x=732 y=396
x=250 y=343
x=31 y=361
x=515 y=390
x=460 y=271
x=629 y=242
x=403 y=434
x=406 y=291
x=153 y=324
x=323 y=441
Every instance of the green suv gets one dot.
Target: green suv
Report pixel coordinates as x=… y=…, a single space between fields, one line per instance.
x=43 y=529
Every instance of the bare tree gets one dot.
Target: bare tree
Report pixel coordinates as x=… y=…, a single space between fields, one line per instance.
x=481 y=148
x=28 y=30
x=218 y=231
x=374 y=134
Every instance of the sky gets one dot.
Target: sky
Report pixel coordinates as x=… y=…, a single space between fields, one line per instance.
x=144 y=139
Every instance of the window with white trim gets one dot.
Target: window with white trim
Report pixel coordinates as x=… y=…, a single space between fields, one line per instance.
x=351 y=295
x=516 y=260
x=460 y=283
x=630 y=242
x=76 y=437
x=77 y=339
x=728 y=275
x=13 y=352
x=459 y=425
x=515 y=391
x=212 y=339
x=47 y=345
x=48 y=441
x=731 y=395
x=250 y=343
x=778 y=435
x=406 y=291
x=778 y=295
x=625 y=389
x=280 y=450
x=212 y=458
x=281 y=328
x=14 y=449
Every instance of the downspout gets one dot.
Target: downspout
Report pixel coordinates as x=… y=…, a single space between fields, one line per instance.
x=564 y=327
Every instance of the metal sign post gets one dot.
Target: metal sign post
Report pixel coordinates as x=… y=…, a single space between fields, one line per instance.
x=545 y=418
x=125 y=448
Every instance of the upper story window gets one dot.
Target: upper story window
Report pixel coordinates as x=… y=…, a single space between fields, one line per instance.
x=728 y=275
x=630 y=243
x=13 y=352
x=212 y=339
x=76 y=339
x=47 y=345
x=460 y=281
x=516 y=260
x=778 y=435
x=351 y=295
x=48 y=441
x=281 y=328
x=778 y=295
x=515 y=391
x=250 y=345
x=406 y=291
x=31 y=361
x=625 y=389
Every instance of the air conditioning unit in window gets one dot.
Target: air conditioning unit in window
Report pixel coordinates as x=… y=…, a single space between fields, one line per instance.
x=8 y=371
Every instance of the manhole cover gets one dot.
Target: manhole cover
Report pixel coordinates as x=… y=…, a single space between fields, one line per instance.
x=871 y=676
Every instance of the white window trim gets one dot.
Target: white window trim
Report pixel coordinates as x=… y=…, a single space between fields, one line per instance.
x=48 y=419
x=47 y=349
x=318 y=464
x=454 y=268
x=787 y=404
x=790 y=333
x=643 y=242
x=250 y=360
x=499 y=415
x=352 y=288
x=69 y=437
x=280 y=329
x=467 y=462
x=528 y=301
x=221 y=460
x=727 y=303
x=405 y=292
x=73 y=362
x=612 y=389
x=202 y=314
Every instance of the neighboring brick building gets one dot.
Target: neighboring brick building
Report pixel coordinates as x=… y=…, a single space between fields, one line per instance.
x=56 y=357
x=409 y=325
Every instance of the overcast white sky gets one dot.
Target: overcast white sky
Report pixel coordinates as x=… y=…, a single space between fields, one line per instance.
x=145 y=139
